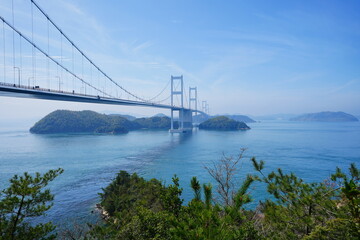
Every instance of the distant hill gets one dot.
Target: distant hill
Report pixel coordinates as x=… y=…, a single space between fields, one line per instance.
x=65 y=121
x=200 y=118
x=160 y=115
x=325 y=117
x=280 y=116
x=240 y=118
x=223 y=123
x=128 y=117
x=155 y=123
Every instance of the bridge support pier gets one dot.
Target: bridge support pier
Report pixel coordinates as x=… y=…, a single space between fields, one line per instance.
x=185 y=116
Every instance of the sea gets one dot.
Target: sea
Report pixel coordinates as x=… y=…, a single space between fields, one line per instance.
x=311 y=150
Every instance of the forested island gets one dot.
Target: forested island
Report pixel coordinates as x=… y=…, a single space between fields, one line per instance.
x=65 y=121
x=223 y=123
x=241 y=118
x=325 y=117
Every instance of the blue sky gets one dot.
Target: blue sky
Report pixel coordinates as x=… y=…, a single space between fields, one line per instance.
x=247 y=57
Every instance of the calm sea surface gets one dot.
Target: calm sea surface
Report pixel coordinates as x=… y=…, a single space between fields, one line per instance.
x=311 y=150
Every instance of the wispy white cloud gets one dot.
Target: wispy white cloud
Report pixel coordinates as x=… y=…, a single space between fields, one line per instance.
x=342 y=87
x=301 y=77
x=142 y=46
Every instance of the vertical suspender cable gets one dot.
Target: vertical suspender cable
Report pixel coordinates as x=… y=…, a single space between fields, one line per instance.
x=48 y=51
x=32 y=39
x=4 y=52
x=72 y=57
x=13 y=20
x=91 y=79
x=98 y=81
x=20 y=56
x=61 y=56
x=82 y=72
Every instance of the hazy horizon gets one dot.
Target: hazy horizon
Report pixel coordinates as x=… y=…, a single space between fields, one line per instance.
x=251 y=58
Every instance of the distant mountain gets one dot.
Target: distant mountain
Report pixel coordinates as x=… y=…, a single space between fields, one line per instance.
x=200 y=118
x=128 y=117
x=136 y=115
x=240 y=118
x=223 y=123
x=279 y=116
x=160 y=115
x=65 y=121
x=155 y=123
x=326 y=117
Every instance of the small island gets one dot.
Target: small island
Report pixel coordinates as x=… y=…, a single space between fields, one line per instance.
x=326 y=117
x=240 y=118
x=223 y=123
x=65 y=121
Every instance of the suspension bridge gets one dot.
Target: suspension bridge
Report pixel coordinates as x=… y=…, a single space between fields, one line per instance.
x=55 y=68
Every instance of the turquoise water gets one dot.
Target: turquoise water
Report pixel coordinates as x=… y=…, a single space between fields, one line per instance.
x=312 y=150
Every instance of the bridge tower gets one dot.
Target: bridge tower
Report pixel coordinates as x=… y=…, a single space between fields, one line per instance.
x=193 y=99
x=185 y=115
x=203 y=106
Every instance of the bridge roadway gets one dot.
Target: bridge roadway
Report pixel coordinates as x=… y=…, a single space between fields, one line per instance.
x=14 y=90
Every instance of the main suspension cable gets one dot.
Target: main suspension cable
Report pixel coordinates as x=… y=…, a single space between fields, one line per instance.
x=51 y=58
x=83 y=54
x=167 y=84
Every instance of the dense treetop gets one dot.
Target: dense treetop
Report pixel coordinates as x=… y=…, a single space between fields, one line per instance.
x=136 y=208
x=223 y=123
x=65 y=121
x=146 y=209
x=241 y=118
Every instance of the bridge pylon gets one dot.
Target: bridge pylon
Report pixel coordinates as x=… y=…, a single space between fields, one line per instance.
x=193 y=102
x=185 y=115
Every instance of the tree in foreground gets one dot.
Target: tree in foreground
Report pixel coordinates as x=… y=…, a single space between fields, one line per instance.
x=148 y=209
x=300 y=210
x=141 y=209
x=26 y=198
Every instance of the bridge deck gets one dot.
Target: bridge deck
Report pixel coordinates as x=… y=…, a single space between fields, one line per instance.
x=14 y=90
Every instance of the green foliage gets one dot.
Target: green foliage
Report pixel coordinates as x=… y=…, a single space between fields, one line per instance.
x=310 y=210
x=127 y=192
x=204 y=220
x=195 y=185
x=171 y=197
x=155 y=123
x=146 y=224
x=223 y=123
x=147 y=209
x=350 y=198
x=26 y=198
x=337 y=228
x=64 y=121
x=141 y=209
x=138 y=209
